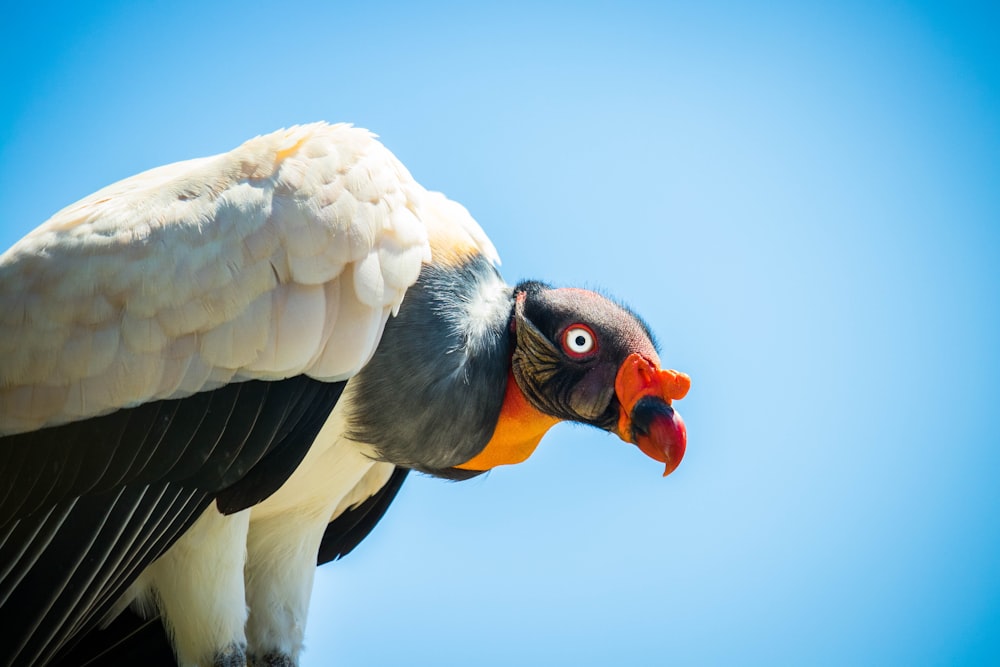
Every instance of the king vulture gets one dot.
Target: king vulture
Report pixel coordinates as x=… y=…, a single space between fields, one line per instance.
x=217 y=372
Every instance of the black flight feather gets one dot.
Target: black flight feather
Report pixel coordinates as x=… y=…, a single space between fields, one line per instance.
x=132 y=640
x=352 y=526
x=90 y=504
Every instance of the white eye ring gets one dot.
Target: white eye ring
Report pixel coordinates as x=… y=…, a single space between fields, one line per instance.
x=579 y=341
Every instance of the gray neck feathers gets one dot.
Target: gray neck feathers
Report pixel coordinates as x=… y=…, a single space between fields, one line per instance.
x=430 y=397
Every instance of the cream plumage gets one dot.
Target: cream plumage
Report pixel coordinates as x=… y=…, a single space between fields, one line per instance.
x=286 y=257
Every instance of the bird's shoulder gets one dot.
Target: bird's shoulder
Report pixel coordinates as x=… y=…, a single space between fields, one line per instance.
x=284 y=256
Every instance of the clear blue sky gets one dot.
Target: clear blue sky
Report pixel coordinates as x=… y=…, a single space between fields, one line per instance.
x=803 y=200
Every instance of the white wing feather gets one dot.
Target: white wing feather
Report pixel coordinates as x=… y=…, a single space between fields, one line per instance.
x=282 y=257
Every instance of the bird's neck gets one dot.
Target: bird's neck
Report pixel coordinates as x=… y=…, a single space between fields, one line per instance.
x=519 y=429
x=431 y=396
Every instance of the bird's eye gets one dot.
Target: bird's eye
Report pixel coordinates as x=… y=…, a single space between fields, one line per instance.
x=579 y=341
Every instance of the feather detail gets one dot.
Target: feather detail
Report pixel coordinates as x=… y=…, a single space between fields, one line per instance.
x=189 y=275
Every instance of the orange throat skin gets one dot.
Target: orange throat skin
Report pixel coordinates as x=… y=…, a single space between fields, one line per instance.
x=518 y=431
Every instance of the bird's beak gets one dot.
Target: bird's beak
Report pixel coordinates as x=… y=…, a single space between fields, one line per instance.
x=647 y=418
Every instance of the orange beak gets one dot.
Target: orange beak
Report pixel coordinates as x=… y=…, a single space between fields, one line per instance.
x=647 y=419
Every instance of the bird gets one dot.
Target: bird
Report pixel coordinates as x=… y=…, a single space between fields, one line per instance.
x=217 y=373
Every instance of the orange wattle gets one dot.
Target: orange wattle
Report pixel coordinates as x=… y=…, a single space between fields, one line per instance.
x=518 y=431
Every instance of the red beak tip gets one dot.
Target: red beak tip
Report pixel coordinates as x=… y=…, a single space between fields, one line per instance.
x=666 y=441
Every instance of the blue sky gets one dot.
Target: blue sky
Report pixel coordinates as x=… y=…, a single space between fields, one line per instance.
x=802 y=200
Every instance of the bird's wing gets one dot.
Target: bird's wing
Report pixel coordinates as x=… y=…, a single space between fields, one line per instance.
x=282 y=257
x=132 y=640
x=142 y=477
x=352 y=525
x=181 y=336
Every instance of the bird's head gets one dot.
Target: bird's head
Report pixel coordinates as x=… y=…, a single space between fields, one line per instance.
x=579 y=356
